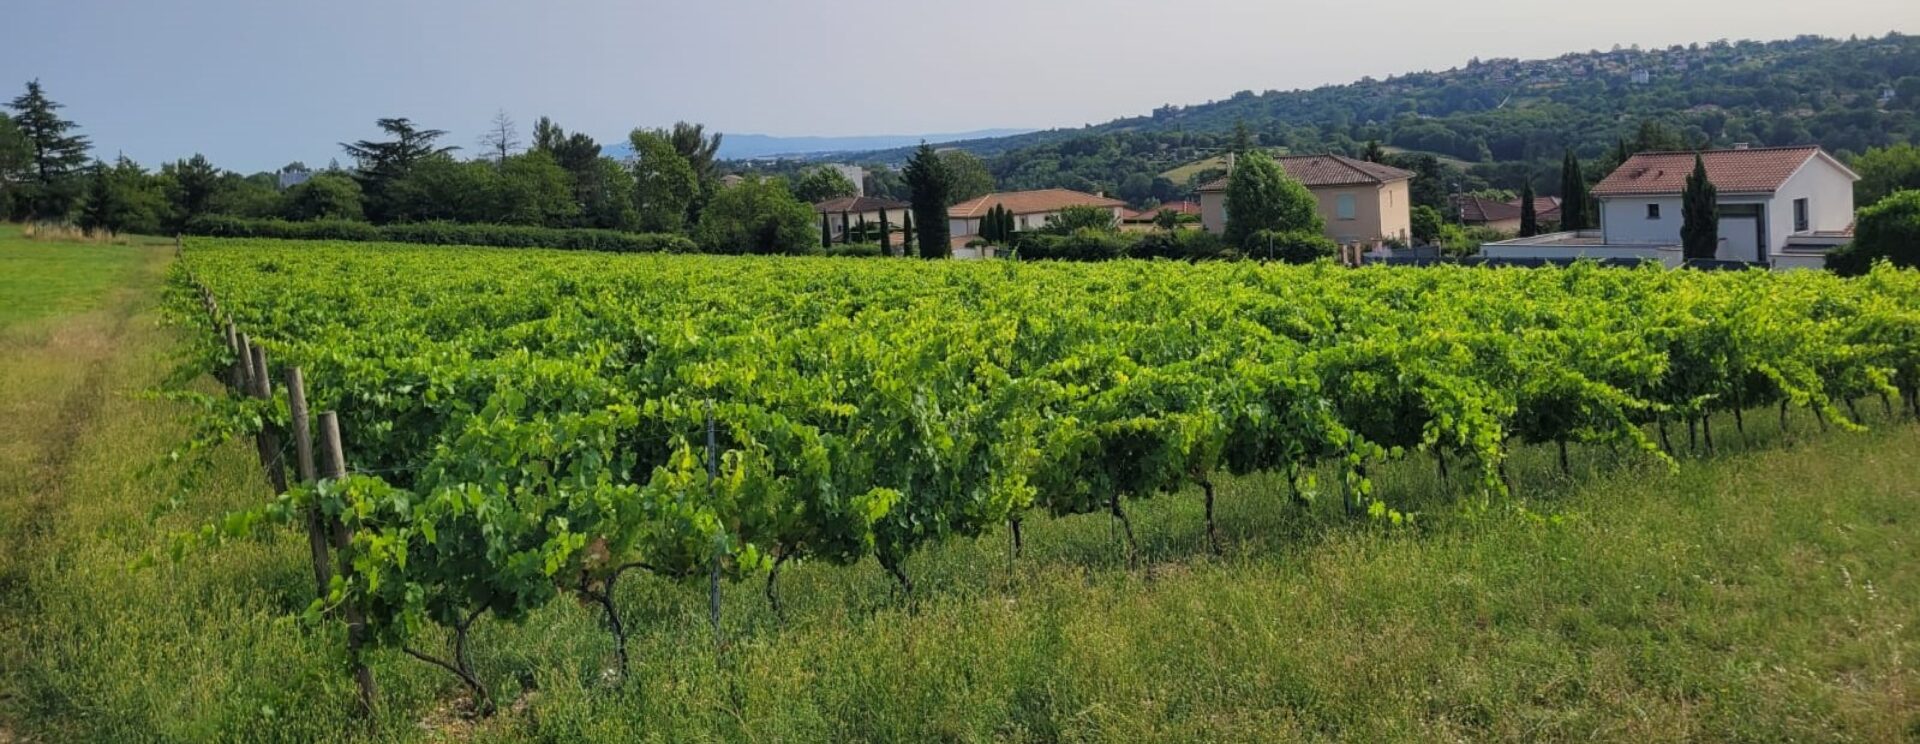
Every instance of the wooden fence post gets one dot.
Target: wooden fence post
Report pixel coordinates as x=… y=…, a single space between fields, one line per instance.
x=245 y=375
x=303 y=460
x=233 y=347
x=334 y=460
x=268 y=440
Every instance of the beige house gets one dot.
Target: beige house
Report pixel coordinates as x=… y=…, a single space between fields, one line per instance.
x=1030 y=209
x=1363 y=203
x=846 y=213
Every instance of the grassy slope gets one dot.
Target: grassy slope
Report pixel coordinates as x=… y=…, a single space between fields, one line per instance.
x=1768 y=594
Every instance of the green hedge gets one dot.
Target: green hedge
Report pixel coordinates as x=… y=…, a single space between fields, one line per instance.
x=444 y=233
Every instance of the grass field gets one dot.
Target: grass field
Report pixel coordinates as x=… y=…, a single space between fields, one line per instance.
x=1768 y=594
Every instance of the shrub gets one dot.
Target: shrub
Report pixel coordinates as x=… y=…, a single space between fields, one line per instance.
x=1889 y=230
x=443 y=233
x=854 y=250
x=1086 y=244
x=1291 y=246
x=1184 y=245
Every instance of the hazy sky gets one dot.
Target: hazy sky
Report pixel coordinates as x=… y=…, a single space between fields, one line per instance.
x=256 y=83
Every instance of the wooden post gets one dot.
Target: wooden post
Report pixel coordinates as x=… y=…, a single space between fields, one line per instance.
x=334 y=460
x=303 y=460
x=243 y=378
x=233 y=347
x=268 y=440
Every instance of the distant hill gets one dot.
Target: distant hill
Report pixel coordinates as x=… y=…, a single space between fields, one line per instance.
x=753 y=146
x=1494 y=122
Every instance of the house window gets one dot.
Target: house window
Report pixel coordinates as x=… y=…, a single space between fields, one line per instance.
x=1343 y=207
x=1800 y=215
x=1653 y=211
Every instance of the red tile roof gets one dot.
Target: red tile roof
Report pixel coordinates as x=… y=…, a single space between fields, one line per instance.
x=1316 y=171
x=1477 y=210
x=1030 y=202
x=1760 y=170
x=1148 y=215
x=857 y=204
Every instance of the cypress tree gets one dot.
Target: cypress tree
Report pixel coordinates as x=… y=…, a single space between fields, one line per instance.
x=931 y=185
x=886 y=234
x=1573 y=194
x=846 y=229
x=826 y=231
x=907 y=236
x=1529 y=216
x=1700 y=214
x=862 y=228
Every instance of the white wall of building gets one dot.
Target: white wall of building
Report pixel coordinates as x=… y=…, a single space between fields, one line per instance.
x=1829 y=194
x=1624 y=220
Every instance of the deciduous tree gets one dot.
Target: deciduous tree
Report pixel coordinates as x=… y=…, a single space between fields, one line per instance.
x=665 y=183
x=757 y=216
x=822 y=184
x=1261 y=196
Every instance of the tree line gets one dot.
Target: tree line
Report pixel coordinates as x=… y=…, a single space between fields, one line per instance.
x=409 y=174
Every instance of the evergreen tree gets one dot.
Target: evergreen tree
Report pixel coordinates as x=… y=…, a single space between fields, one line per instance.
x=886 y=235
x=98 y=208
x=191 y=185
x=826 y=231
x=1529 y=216
x=1374 y=152
x=1700 y=214
x=907 y=236
x=1242 y=138
x=382 y=164
x=1573 y=194
x=57 y=154
x=927 y=180
x=861 y=228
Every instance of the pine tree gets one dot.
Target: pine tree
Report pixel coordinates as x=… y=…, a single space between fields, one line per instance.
x=96 y=211
x=57 y=156
x=1529 y=216
x=1573 y=194
x=1700 y=214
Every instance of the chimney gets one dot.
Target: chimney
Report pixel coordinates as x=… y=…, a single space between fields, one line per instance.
x=1741 y=145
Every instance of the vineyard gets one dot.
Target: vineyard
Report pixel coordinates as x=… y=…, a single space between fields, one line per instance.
x=504 y=428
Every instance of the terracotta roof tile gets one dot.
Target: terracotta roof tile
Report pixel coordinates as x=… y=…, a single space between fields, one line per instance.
x=1148 y=215
x=1317 y=171
x=1030 y=202
x=1753 y=171
x=857 y=204
x=1474 y=209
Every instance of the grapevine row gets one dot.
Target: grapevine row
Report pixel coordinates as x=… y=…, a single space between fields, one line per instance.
x=523 y=424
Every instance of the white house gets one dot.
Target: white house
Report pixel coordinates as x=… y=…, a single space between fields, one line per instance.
x=1781 y=206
